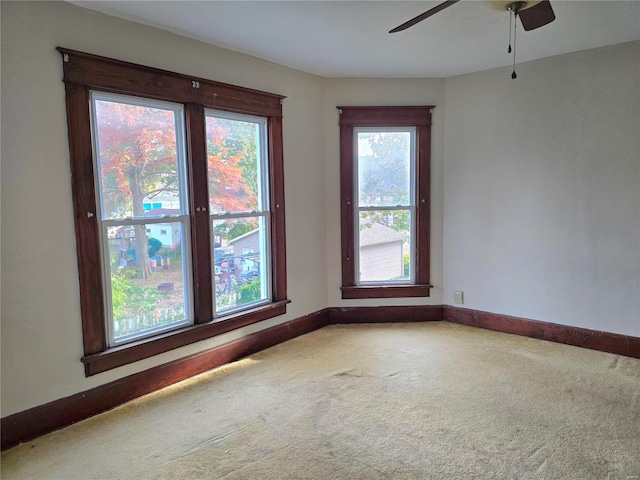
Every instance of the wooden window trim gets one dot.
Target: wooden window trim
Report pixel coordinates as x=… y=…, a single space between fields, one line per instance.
x=164 y=342
x=386 y=116
x=85 y=72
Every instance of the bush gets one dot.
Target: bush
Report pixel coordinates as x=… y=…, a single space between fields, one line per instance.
x=128 y=298
x=250 y=292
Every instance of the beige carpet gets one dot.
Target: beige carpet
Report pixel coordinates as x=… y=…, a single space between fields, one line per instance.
x=396 y=401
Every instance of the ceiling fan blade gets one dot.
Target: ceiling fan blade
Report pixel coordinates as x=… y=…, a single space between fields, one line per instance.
x=424 y=15
x=537 y=16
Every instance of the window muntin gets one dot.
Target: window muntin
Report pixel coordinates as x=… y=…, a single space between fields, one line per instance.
x=139 y=154
x=384 y=183
x=239 y=210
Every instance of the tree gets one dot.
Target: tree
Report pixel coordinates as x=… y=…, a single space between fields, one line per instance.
x=138 y=159
x=385 y=174
x=137 y=147
x=384 y=178
x=233 y=172
x=231 y=147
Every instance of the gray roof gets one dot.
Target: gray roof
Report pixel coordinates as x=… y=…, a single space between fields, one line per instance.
x=377 y=234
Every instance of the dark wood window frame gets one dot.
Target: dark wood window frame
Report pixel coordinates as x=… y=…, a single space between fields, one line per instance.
x=392 y=116
x=85 y=72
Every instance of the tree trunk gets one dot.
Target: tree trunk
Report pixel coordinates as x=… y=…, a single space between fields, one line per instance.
x=141 y=241
x=142 y=251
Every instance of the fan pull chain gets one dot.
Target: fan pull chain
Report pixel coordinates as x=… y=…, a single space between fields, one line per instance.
x=515 y=28
x=510 y=17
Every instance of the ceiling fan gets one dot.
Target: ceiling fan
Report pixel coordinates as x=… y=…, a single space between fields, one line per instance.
x=533 y=14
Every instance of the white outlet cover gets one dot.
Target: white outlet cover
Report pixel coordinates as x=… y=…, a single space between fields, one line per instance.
x=458 y=296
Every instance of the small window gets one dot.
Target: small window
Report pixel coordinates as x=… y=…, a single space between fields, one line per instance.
x=384 y=180
x=385 y=165
x=239 y=209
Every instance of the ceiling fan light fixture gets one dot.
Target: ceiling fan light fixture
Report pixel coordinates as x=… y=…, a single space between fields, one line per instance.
x=515 y=7
x=502 y=5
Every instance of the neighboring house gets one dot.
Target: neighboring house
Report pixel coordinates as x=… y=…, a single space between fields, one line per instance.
x=246 y=252
x=168 y=233
x=380 y=253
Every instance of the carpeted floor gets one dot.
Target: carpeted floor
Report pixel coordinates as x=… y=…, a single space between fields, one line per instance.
x=397 y=401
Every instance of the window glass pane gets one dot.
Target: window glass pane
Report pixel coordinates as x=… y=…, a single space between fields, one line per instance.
x=240 y=264
x=233 y=152
x=384 y=238
x=384 y=168
x=147 y=278
x=137 y=159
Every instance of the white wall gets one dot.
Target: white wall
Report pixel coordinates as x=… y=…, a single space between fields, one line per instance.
x=542 y=190
x=41 y=332
x=375 y=92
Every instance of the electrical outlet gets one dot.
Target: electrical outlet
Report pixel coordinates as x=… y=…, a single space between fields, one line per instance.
x=458 y=296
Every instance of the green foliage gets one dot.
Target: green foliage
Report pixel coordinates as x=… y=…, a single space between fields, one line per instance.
x=220 y=228
x=250 y=292
x=238 y=229
x=128 y=298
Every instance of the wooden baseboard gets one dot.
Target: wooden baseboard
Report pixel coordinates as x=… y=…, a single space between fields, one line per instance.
x=386 y=314
x=37 y=421
x=579 y=337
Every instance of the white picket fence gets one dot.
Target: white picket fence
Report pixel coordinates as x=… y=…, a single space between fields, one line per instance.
x=147 y=320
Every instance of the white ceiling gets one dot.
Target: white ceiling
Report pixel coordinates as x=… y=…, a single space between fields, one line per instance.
x=350 y=39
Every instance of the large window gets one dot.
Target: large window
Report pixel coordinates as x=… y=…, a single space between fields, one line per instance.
x=139 y=155
x=179 y=207
x=385 y=176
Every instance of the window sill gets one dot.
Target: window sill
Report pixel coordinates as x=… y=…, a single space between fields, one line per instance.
x=386 y=291
x=133 y=352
